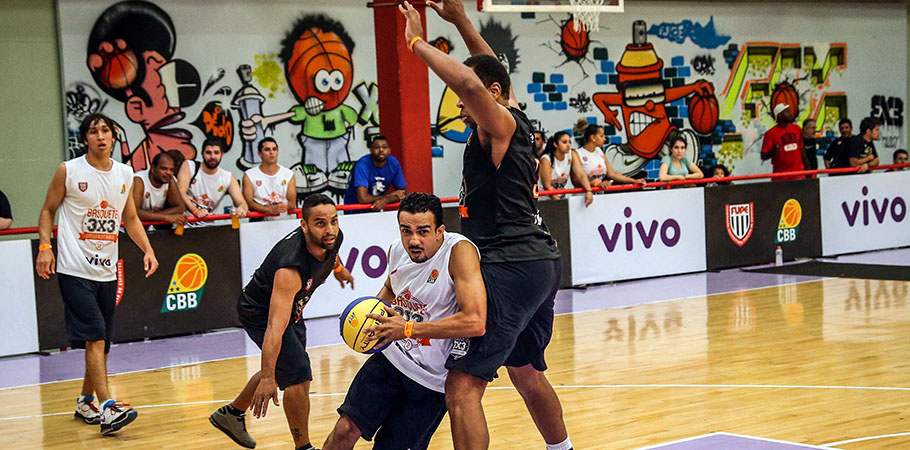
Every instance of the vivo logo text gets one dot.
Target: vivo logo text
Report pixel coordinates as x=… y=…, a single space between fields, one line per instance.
x=894 y=208
x=374 y=261
x=667 y=231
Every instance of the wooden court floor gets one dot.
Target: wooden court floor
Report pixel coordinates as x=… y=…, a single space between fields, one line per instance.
x=817 y=363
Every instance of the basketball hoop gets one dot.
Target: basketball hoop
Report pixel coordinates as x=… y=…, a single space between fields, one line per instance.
x=586 y=13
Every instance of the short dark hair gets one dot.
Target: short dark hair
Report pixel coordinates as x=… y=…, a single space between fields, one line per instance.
x=266 y=139
x=898 y=152
x=868 y=123
x=177 y=156
x=679 y=138
x=312 y=201
x=490 y=70
x=157 y=159
x=543 y=136
x=591 y=131
x=212 y=141
x=378 y=137
x=419 y=202
x=845 y=121
x=721 y=167
x=92 y=118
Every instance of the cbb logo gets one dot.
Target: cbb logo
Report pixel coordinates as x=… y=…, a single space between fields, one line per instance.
x=790 y=217
x=184 y=292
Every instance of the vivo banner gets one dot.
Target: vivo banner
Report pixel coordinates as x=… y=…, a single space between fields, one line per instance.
x=363 y=252
x=637 y=235
x=865 y=212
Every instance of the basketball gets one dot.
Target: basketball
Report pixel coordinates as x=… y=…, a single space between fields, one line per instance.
x=703 y=112
x=317 y=50
x=190 y=273
x=791 y=215
x=574 y=43
x=119 y=68
x=786 y=93
x=354 y=322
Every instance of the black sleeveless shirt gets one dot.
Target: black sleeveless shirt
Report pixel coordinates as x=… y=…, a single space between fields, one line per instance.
x=290 y=252
x=498 y=207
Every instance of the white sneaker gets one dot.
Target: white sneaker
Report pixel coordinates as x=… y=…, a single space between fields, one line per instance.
x=86 y=410
x=113 y=417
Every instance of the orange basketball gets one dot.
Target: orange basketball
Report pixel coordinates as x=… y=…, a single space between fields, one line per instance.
x=190 y=272
x=703 y=113
x=792 y=213
x=316 y=51
x=119 y=68
x=574 y=43
x=786 y=93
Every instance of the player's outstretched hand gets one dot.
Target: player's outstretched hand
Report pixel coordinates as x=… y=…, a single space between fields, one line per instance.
x=345 y=277
x=413 y=28
x=267 y=390
x=391 y=328
x=449 y=10
x=150 y=263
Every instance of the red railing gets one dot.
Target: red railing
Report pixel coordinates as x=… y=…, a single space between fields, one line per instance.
x=618 y=188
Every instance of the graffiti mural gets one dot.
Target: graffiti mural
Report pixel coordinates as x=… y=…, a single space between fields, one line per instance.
x=890 y=111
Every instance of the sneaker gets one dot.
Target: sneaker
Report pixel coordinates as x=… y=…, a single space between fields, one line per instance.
x=233 y=426
x=113 y=417
x=86 y=410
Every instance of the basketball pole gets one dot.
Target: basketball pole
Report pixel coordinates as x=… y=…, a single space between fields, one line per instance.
x=404 y=95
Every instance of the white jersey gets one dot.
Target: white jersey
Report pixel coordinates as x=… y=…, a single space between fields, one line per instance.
x=206 y=191
x=593 y=163
x=559 y=171
x=425 y=292
x=271 y=189
x=89 y=220
x=153 y=199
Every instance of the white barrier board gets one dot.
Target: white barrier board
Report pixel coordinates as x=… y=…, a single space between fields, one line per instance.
x=18 y=316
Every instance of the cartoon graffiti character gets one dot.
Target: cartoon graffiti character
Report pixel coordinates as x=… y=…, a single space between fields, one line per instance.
x=130 y=52
x=316 y=54
x=641 y=98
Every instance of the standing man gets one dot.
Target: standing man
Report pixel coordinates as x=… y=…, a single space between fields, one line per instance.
x=378 y=178
x=203 y=186
x=154 y=189
x=94 y=192
x=269 y=188
x=520 y=262
x=810 y=144
x=837 y=154
x=862 y=150
x=783 y=143
x=437 y=294
x=271 y=311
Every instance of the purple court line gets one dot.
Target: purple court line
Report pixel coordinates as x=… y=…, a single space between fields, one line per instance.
x=724 y=441
x=137 y=356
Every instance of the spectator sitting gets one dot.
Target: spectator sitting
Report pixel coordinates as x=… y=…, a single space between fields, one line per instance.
x=269 y=188
x=783 y=143
x=6 y=213
x=540 y=140
x=377 y=179
x=675 y=166
x=155 y=192
x=558 y=164
x=862 y=150
x=578 y=131
x=203 y=184
x=837 y=155
x=899 y=157
x=178 y=158
x=720 y=172
x=594 y=164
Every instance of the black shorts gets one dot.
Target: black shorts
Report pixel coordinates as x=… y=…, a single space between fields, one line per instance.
x=88 y=308
x=293 y=365
x=405 y=413
x=519 y=319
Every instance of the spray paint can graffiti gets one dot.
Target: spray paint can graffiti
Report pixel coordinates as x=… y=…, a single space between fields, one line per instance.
x=248 y=101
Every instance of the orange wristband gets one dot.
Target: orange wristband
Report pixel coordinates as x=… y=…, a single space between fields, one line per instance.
x=413 y=41
x=338 y=268
x=44 y=247
x=408 y=328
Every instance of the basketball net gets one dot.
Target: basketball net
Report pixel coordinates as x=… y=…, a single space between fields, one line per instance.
x=586 y=14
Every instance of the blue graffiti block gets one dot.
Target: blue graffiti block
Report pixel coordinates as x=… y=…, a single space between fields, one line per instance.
x=591 y=119
x=601 y=79
x=677 y=61
x=684 y=112
x=538 y=77
x=437 y=151
x=556 y=78
x=549 y=87
x=554 y=97
x=607 y=66
x=540 y=97
x=684 y=72
x=548 y=106
x=601 y=54
x=679 y=102
x=534 y=88
x=562 y=106
x=562 y=88
x=616 y=139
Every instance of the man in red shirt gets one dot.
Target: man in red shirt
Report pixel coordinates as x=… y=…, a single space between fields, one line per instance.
x=783 y=143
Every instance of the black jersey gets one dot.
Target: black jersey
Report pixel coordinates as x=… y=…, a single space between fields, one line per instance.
x=289 y=252
x=498 y=206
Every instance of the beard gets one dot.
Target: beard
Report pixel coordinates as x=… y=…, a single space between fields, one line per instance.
x=212 y=164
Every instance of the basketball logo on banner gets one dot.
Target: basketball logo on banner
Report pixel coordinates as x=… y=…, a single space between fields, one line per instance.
x=740 y=221
x=790 y=217
x=187 y=283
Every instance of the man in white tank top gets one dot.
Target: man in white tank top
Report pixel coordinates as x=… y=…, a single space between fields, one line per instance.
x=93 y=194
x=437 y=295
x=203 y=186
x=155 y=192
x=269 y=188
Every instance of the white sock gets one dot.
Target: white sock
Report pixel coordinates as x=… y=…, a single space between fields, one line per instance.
x=564 y=445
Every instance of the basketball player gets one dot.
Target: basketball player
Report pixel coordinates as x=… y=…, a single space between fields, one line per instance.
x=154 y=189
x=93 y=194
x=271 y=310
x=437 y=294
x=203 y=186
x=520 y=262
x=269 y=188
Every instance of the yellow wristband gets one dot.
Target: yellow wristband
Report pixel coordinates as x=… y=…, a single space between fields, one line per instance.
x=413 y=41
x=408 y=328
x=338 y=268
x=44 y=247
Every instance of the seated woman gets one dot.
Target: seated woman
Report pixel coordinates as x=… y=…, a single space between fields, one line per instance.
x=599 y=172
x=557 y=165
x=720 y=172
x=676 y=166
